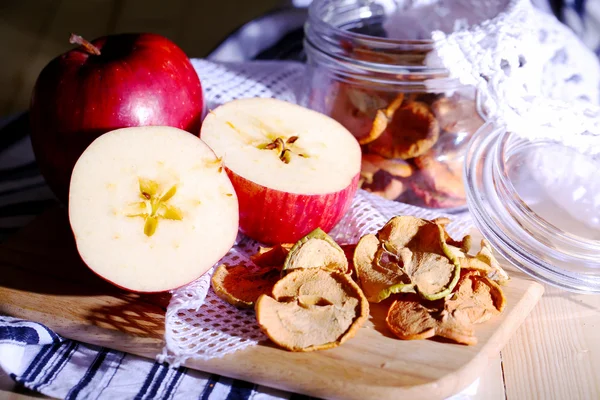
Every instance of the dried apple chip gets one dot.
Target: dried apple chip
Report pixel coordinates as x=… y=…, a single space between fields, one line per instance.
x=271 y=256
x=464 y=244
x=419 y=243
x=371 y=163
x=383 y=184
x=378 y=270
x=457 y=115
x=312 y=309
x=486 y=256
x=241 y=287
x=399 y=231
x=409 y=319
x=433 y=275
x=484 y=261
x=433 y=199
x=476 y=299
x=412 y=131
x=382 y=119
x=354 y=107
x=316 y=250
x=440 y=178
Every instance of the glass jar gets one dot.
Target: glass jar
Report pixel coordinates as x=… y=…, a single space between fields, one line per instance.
x=538 y=203
x=412 y=120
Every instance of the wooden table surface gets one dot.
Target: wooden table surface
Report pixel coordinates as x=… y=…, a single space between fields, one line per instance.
x=554 y=355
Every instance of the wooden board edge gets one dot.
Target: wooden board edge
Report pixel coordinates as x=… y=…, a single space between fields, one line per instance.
x=442 y=388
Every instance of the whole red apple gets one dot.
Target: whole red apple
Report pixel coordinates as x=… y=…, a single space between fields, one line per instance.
x=293 y=169
x=113 y=82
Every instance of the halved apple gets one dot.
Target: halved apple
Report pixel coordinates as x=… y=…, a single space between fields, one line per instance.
x=151 y=208
x=293 y=169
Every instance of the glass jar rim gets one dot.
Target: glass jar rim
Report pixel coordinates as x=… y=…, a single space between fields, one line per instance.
x=328 y=39
x=524 y=238
x=315 y=11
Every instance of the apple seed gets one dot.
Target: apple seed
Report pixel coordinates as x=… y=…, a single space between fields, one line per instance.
x=284 y=153
x=216 y=163
x=156 y=204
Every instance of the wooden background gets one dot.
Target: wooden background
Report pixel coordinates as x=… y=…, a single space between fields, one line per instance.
x=32 y=32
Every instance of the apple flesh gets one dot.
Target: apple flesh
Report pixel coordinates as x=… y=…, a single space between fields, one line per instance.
x=151 y=208
x=293 y=169
x=135 y=80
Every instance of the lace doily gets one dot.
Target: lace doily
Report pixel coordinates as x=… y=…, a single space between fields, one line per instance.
x=533 y=74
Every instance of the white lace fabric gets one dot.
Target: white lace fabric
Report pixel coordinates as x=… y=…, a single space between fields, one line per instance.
x=534 y=76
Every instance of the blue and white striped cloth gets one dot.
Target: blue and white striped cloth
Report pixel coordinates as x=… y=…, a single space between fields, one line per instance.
x=40 y=360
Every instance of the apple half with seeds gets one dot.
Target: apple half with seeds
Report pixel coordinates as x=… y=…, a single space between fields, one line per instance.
x=151 y=208
x=293 y=169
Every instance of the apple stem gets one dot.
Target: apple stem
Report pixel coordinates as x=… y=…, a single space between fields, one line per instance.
x=87 y=46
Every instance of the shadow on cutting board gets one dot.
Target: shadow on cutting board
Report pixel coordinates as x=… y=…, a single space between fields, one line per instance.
x=42 y=271
x=45 y=252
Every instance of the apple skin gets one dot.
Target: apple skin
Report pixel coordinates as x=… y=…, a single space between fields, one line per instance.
x=272 y=216
x=138 y=79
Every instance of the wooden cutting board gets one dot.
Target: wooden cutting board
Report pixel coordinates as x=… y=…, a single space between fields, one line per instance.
x=42 y=279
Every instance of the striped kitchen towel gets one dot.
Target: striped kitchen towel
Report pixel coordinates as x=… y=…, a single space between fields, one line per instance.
x=38 y=359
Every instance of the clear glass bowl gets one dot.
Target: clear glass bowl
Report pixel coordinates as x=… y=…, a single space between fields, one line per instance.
x=538 y=203
x=412 y=120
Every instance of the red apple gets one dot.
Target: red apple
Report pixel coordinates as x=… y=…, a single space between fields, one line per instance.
x=151 y=208
x=113 y=82
x=293 y=169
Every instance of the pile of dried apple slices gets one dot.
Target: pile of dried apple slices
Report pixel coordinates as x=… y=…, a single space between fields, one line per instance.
x=153 y=208
x=440 y=289
x=304 y=296
x=307 y=296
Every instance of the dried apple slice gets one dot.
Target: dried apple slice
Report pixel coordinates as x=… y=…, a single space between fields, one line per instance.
x=312 y=309
x=240 y=286
x=150 y=209
x=354 y=108
x=476 y=299
x=371 y=163
x=383 y=184
x=382 y=119
x=486 y=257
x=271 y=256
x=433 y=275
x=419 y=243
x=464 y=244
x=432 y=199
x=484 y=261
x=378 y=271
x=408 y=319
x=316 y=250
x=440 y=177
x=412 y=131
x=411 y=232
x=457 y=115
